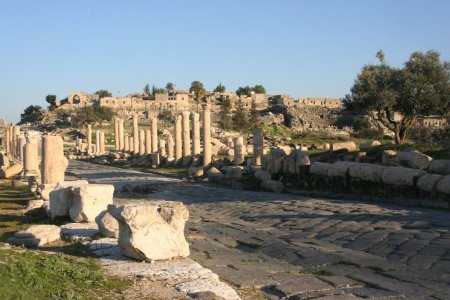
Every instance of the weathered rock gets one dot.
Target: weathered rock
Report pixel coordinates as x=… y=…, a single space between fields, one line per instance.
x=272 y=186
x=350 y=146
x=107 y=225
x=319 y=168
x=443 y=185
x=428 y=182
x=233 y=172
x=276 y=159
x=79 y=231
x=195 y=172
x=214 y=174
x=11 y=171
x=413 y=159
x=340 y=168
x=263 y=175
x=212 y=285
x=440 y=166
x=368 y=145
x=61 y=195
x=36 y=235
x=388 y=157
x=401 y=175
x=152 y=232
x=367 y=172
x=89 y=201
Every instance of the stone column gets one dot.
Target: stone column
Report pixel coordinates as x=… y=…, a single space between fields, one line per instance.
x=238 y=150
x=54 y=163
x=186 y=135
x=8 y=141
x=116 y=135
x=258 y=146
x=162 y=148
x=195 y=134
x=16 y=134
x=97 y=142
x=126 y=146
x=20 y=145
x=131 y=142
x=31 y=160
x=154 y=134
x=121 y=136
x=148 y=141
x=170 y=147
x=89 y=138
x=141 y=142
x=135 y=134
x=102 y=142
x=178 y=138
x=206 y=134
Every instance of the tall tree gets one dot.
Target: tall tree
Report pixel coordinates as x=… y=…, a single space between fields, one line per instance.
x=32 y=114
x=147 y=89
x=253 y=117
x=244 y=91
x=103 y=93
x=198 y=90
x=157 y=90
x=50 y=99
x=226 y=121
x=240 y=119
x=395 y=97
x=170 y=87
x=259 y=89
x=220 y=88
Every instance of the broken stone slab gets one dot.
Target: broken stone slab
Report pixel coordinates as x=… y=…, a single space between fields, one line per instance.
x=79 y=231
x=440 y=166
x=428 y=182
x=340 y=168
x=208 y=285
x=443 y=185
x=272 y=186
x=152 y=232
x=104 y=247
x=401 y=175
x=107 y=225
x=367 y=172
x=349 y=146
x=263 y=175
x=11 y=171
x=319 y=168
x=61 y=195
x=413 y=159
x=36 y=235
x=88 y=201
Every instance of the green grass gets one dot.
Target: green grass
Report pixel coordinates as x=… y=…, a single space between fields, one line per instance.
x=27 y=274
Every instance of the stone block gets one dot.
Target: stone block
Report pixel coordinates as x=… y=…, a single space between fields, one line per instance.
x=413 y=159
x=428 y=182
x=440 y=166
x=107 y=225
x=88 y=201
x=36 y=235
x=367 y=172
x=61 y=195
x=195 y=172
x=152 y=232
x=319 y=168
x=233 y=172
x=272 y=186
x=349 y=146
x=263 y=175
x=443 y=185
x=11 y=171
x=340 y=168
x=401 y=175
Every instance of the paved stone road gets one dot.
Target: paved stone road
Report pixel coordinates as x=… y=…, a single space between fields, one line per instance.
x=297 y=247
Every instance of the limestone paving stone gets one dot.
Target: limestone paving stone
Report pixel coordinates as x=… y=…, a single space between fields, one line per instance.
x=36 y=235
x=79 y=231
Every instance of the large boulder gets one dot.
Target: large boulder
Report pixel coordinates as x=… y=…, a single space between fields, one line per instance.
x=319 y=168
x=88 y=201
x=443 y=185
x=349 y=146
x=367 y=172
x=107 y=225
x=36 y=235
x=428 y=182
x=440 y=166
x=366 y=146
x=152 y=232
x=232 y=172
x=272 y=186
x=413 y=159
x=340 y=168
x=61 y=195
x=401 y=175
x=263 y=175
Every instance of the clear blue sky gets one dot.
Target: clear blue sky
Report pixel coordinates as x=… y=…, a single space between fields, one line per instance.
x=301 y=48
